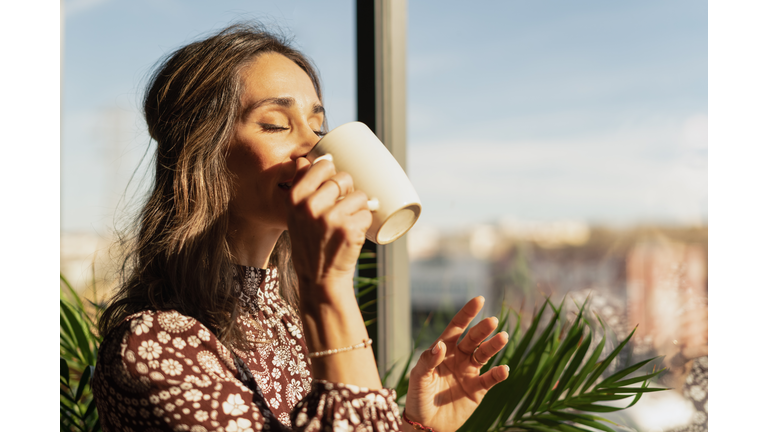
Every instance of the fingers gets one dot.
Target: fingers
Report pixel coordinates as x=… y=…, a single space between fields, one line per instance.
x=429 y=360
x=320 y=187
x=462 y=319
x=477 y=334
x=489 y=348
x=335 y=187
x=494 y=376
x=352 y=213
x=309 y=178
x=352 y=203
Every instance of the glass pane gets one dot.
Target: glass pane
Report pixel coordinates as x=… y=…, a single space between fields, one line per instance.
x=561 y=148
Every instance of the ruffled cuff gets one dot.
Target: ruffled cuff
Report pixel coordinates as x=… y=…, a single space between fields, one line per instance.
x=346 y=407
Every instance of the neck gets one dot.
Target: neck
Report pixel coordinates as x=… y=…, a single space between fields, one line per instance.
x=252 y=244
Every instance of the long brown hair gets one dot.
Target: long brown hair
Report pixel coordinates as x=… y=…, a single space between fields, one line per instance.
x=179 y=257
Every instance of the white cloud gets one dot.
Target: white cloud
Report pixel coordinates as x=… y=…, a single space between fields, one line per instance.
x=614 y=176
x=695 y=131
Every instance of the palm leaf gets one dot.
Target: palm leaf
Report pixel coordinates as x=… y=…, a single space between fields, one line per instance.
x=624 y=372
x=585 y=419
x=541 y=360
x=85 y=353
x=506 y=392
x=567 y=377
x=551 y=386
x=79 y=345
x=84 y=380
x=64 y=367
x=586 y=368
x=607 y=361
x=493 y=361
x=565 y=351
x=642 y=378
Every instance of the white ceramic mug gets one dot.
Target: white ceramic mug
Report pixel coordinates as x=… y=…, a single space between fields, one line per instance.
x=356 y=150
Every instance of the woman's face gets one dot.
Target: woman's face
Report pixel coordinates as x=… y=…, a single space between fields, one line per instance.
x=280 y=120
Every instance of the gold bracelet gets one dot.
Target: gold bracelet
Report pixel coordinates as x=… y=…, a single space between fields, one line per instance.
x=363 y=344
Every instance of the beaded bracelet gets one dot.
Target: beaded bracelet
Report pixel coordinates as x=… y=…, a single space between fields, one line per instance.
x=417 y=425
x=363 y=344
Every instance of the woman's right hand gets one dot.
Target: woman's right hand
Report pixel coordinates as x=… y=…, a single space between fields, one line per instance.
x=326 y=233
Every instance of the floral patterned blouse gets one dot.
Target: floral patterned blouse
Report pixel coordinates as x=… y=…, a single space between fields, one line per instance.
x=163 y=371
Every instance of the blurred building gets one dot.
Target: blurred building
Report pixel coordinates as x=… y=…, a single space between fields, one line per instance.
x=448 y=282
x=84 y=260
x=641 y=275
x=665 y=279
x=527 y=271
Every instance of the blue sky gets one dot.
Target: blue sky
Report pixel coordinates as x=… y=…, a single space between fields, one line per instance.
x=590 y=110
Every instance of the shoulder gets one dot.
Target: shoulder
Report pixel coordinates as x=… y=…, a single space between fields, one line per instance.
x=165 y=368
x=166 y=327
x=169 y=328
x=158 y=322
x=149 y=340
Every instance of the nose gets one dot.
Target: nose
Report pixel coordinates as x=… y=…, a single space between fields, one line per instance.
x=307 y=140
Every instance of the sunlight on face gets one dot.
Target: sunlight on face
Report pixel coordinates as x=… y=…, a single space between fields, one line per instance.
x=280 y=121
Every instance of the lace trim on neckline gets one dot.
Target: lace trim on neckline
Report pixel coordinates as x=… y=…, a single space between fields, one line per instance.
x=250 y=285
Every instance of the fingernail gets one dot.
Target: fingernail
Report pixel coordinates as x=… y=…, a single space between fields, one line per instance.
x=373 y=204
x=436 y=349
x=326 y=156
x=507 y=367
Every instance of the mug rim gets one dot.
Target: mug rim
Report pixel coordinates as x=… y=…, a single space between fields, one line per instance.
x=405 y=231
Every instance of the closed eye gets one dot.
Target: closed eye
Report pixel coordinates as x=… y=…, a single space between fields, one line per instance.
x=320 y=133
x=272 y=127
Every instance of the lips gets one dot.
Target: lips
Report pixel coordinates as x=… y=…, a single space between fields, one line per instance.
x=288 y=182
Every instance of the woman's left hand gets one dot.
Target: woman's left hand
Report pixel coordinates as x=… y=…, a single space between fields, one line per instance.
x=445 y=386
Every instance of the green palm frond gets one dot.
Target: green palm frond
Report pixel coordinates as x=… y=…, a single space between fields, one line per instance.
x=556 y=378
x=79 y=344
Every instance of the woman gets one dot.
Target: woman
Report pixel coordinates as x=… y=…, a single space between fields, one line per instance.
x=201 y=336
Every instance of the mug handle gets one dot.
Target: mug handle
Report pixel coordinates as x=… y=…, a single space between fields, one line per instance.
x=373 y=204
x=326 y=156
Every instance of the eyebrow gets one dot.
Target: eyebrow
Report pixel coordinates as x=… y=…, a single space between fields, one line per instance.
x=286 y=102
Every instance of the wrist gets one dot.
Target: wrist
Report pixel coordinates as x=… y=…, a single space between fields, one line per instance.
x=328 y=292
x=416 y=425
x=337 y=338
x=332 y=323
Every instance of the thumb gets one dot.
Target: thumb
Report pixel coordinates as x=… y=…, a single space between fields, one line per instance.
x=429 y=360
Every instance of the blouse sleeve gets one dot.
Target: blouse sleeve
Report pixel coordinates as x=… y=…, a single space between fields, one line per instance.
x=165 y=371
